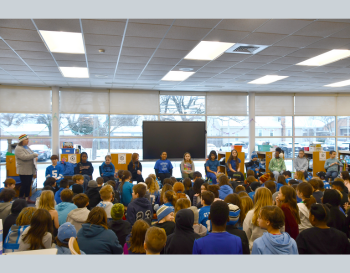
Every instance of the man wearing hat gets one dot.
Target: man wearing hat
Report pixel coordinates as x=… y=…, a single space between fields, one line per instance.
x=120 y=227
x=25 y=166
x=254 y=164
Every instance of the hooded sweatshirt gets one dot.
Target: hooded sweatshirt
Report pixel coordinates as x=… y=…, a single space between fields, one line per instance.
x=224 y=191
x=107 y=206
x=5 y=210
x=121 y=228
x=140 y=208
x=107 y=170
x=95 y=239
x=304 y=217
x=182 y=239
x=275 y=244
x=63 y=209
x=301 y=164
x=200 y=230
x=10 y=220
x=94 y=197
x=77 y=217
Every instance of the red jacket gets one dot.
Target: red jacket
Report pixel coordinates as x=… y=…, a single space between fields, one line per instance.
x=291 y=224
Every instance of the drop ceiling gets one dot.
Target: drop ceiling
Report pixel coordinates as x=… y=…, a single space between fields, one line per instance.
x=140 y=52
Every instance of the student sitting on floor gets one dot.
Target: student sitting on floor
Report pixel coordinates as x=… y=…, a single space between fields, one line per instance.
x=63 y=185
x=65 y=206
x=10 y=220
x=79 y=215
x=273 y=241
x=198 y=228
x=47 y=202
x=315 y=190
x=155 y=240
x=219 y=241
x=107 y=169
x=5 y=208
x=125 y=188
x=93 y=193
x=120 y=227
x=207 y=201
x=10 y=183
x=225 y=187
x=135 y=240
x=77 y=187
x=304 y=191
x=106 y=194
x=165 y=218
x=65 y=232
x=287 y=175
x=55 y=170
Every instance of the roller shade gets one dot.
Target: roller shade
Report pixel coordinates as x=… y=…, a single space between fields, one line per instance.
x=343 y=103
x=84 y=102
x=25 y=100
x=274 y=105
x=134 y=102
x=227 y=104
x=315 y=105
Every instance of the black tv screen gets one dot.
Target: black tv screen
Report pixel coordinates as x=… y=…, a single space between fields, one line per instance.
x=175 y=138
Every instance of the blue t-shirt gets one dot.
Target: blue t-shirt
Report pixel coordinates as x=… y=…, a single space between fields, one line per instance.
x=163 y=166
x=233 y=164
x=213 y=165
x=218 y=243
x=204 y=216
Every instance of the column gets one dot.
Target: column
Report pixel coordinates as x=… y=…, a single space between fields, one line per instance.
x=55 y=125
x=251 y=98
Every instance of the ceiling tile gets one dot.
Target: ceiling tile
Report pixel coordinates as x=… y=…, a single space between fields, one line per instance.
x=133 y=59
x=322 y=29
x=332 y=43
x=241 y=24
x=187 y=33
x=17 y=23
x=103 y=27
x=102 y=58
x=12 y=34
x=31 y=62
x=274 y=66
x=49 y=69
x=146 y=30
x=283 y=26
x=277 y=51
x=14 y=61
x=307 y=52
x=166 y=22
x=261 y=58
x=10 y=67
x=141 y=42
x=69 y=25
x=212 y=69
x=289 y=60
x=102 y=40
x=34 y=55
x=246 y=65
x=165 y=53
x=137 y=51
x=109 y=50
x=167 y=61
x=345 y=33
x=26 y=46
x=262 y=38
x=7 y=53
x=200 y=23
x=297 y=41
x=222 y=64
x=232 y=57
x=178 y=44
x=226 y=36
x=159 y=67
x=101 y=65
x=129 y=66
x=69 y=57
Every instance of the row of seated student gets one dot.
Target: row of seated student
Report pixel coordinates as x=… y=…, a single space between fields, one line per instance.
x=254 y=216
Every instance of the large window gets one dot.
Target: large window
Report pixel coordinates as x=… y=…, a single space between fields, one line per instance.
x=236 y=126
x=84 y=125
x=128 y=125
x=182 y=104
x=286 y=144
x=315 y=126
x=273 y=126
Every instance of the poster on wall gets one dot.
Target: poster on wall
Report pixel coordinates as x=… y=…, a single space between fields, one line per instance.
x=323 y=156
x=121 y=158
x=72 y=159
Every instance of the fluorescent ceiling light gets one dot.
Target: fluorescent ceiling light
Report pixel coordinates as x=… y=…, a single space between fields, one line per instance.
x=177 y=76
x=64 y=42
x=327 y=58
x=339 y=84
x=208 y=50
x=268 y=79
x=75 y=72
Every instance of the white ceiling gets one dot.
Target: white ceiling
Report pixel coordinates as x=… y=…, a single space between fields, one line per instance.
x=139 y=52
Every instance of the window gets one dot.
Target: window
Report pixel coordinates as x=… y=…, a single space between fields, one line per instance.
x=96 y=148
x=344 y=126
x=228 y=126
x=273 y=126
x=182 y=104
x=182 y=118
x=286 y=144
x=271 y=133
x=289 y=132
x=84 y=125
x=260 y=132
x=315 y=126
x=128 y=125
x=328 y=144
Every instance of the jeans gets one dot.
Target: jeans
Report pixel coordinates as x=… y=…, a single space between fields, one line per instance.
x=332 y=174
x=187 y=175
x=162 y=176
x=212 y=176
x=137 y=177
x=277 y=174
x=26 y=183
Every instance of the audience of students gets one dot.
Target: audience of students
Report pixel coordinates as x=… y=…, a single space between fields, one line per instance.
x=182 y=203
x=225 y=187
x=188 y=188
x=135 y=168
x=93 y=193
x=197 y=227
x=65 y=232
x=346 y=177
x=136 y=239
x=106 y=195
x=315 y=190
x=47 y=202
x=9 y=183
x=11 y=219
x=165 y=219
x=125 y=188
x=207 y=200
x=6 y=196
x=63 y=185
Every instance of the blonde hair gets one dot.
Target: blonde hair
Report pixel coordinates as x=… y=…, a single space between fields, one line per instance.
x=182 y=203
x=108 y=156
x=246 y=205
x=25 y=216
x=300 y=176
x=106 y=192
x=219 y=175
x=152 y=185
x=47 y=200
x=262 y=198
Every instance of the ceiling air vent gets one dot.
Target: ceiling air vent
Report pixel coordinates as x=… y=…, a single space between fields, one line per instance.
x=246 y=49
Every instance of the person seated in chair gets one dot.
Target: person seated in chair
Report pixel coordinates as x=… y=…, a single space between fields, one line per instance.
x=332 y=166
x=254 y=164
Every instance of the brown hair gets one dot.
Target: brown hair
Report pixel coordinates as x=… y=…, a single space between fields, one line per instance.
x=81 y=200
x=223 y=180
x=140 y=189
x=9 y=181
x=40 y=224
x=173 y=179
x=208 y=197
x=152 y=185
x=239 y=189
x=54 y=157
x=272 y=176
x=190 y=157
x=106 y=192
x=112 y=183
x=155 y=239
x=166 y=187
x=77 y=177
x=234 y=199
x=133 y=159
x=243 y=194
x=25 y=216
x=179 y=189
x=120 y=174
x=250 y=173
x=214 y=189
x=251 y=179
x=138 y=234
x=7 y=195
x=300 y=176
x=99 y=180
x=231 y=158
x=291 y=200
x=182 y=203
x=124 y=175
x=97 y=216
x=171 y=197
x=306 y=189
x=281 y=180
x=271 y=185
x=187 y=183
x=108 y=156
x=274 y=215
x=246 y=205
x=315 y=184
x=345 y=175
x=168 y=181
x=66 y=195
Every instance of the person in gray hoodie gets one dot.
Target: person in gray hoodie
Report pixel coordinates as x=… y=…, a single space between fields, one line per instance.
x=273 y=241
x=198 y=228
x=6 y=196
x=301 y=163
x=78 y=216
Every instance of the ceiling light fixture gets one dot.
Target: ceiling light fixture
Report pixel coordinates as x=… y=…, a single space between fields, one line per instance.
x=268 y=79
x=177 y=76
x=206 y=50
x=185 y=69
x=327 y=58
x=339 y=84
x=63 y=42
x=75 y=72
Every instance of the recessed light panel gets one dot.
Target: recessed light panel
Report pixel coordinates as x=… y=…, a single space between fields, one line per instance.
x=268 y=79
x=327 y=58
x=64 y=42
x=75 y=72
x=208 y=50
x=177 y=76
x=339 y=84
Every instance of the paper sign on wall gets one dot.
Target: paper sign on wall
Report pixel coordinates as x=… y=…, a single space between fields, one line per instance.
x=72 y=159
x=121 y=158
x=322 y=156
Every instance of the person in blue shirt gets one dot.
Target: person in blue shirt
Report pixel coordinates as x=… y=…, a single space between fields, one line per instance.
x=212 y=166
x=64 y=185
x=233 y=168
x=219 y=241
x=254 y=164
x=163 y=167
x=55 y=170
x=273 y=241
x=207 y=199
x=287 y=175
x=125 y=188
x=107 y=169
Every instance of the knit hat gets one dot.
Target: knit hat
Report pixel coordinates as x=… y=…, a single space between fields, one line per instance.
x=163 y=211
x=117 y=211
x=66 y=231
x=195 y=212
x=76 y=188
x=254 y=154
x=233 y=214
x=22 y=137
x=18 y=205
x=92 y=184
x=264 y=177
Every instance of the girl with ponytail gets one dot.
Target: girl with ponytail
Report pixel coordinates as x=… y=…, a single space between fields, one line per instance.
x=170 y=199
x=304 y=192
x=125 y=188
